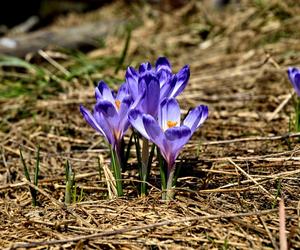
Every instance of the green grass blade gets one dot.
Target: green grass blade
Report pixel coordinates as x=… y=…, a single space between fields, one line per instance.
x=278 y=192
x=37 y=167
x=33 y=192
x=81 y=195
x=11 y=61
x=26 y=172
x=74 y=195
x=99 y=167
x=67 y=169
x=70 y=180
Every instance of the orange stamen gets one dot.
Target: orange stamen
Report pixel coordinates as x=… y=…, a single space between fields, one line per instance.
x=118 y=104
x=171 y=124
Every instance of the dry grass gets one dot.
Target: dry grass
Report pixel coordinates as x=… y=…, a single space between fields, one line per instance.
x=236 y=168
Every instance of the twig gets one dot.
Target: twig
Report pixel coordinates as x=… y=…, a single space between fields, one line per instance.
x=66 y=224
x=54 y=201
x=110 y=181
x=282 y=234
x=287 y=173
x=258 y=138
x=268 y=231
x=250 y=177
x=280 y=107
x=59 y=204
x=54 y=63
x=139 y=228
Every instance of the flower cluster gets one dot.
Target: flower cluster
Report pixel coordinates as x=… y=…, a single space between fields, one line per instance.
x=146 y=102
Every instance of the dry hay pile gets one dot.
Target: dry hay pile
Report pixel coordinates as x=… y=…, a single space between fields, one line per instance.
x=235 y=169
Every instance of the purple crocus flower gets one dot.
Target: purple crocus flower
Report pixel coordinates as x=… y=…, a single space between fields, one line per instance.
x=170 y=84
x=110 y=115
x=294 y=77
x=168 y=133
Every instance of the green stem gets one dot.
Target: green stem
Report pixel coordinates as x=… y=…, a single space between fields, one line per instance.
x=144 y=170
x=162 y=169
x=69 y=184
x=170 y=188
x=116 y=166
x=27 y=175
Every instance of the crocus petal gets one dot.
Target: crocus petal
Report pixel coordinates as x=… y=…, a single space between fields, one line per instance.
x=150 y=102
x=163 y=70
x=98 y=95
x=135 y=118
x=154 y=131
x=294 y=77
x=137 y=102
x=97 y=124
x=122 y=92
x=123 y=113
x=169 y=114
x=167 y=87
x=293 y=70
x=107 y=129
x=162 y=63
x=182 y=79
x=90 y=119
x=196 y=117
x=103 y=92
x=145 y=68
x=177 y=134
x=132 y=81
x=176 y=137
x=110 y=114
x=163 y=77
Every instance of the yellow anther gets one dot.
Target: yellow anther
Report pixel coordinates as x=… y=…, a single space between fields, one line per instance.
x=171 y=124
x=118 y=104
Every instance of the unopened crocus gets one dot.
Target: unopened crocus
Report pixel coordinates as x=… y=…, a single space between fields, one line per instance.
x=168 y=133
x=294 y=77
x=110 y=119
x=171 y=85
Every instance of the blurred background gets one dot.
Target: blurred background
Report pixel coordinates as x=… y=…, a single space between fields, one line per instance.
x=14 y=13
x=21 y=17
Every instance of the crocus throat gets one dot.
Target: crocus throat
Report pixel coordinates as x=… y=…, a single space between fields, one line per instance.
x=118 y=104
x=171 y=124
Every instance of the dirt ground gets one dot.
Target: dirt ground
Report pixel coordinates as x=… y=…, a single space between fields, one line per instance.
x=236 y=168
